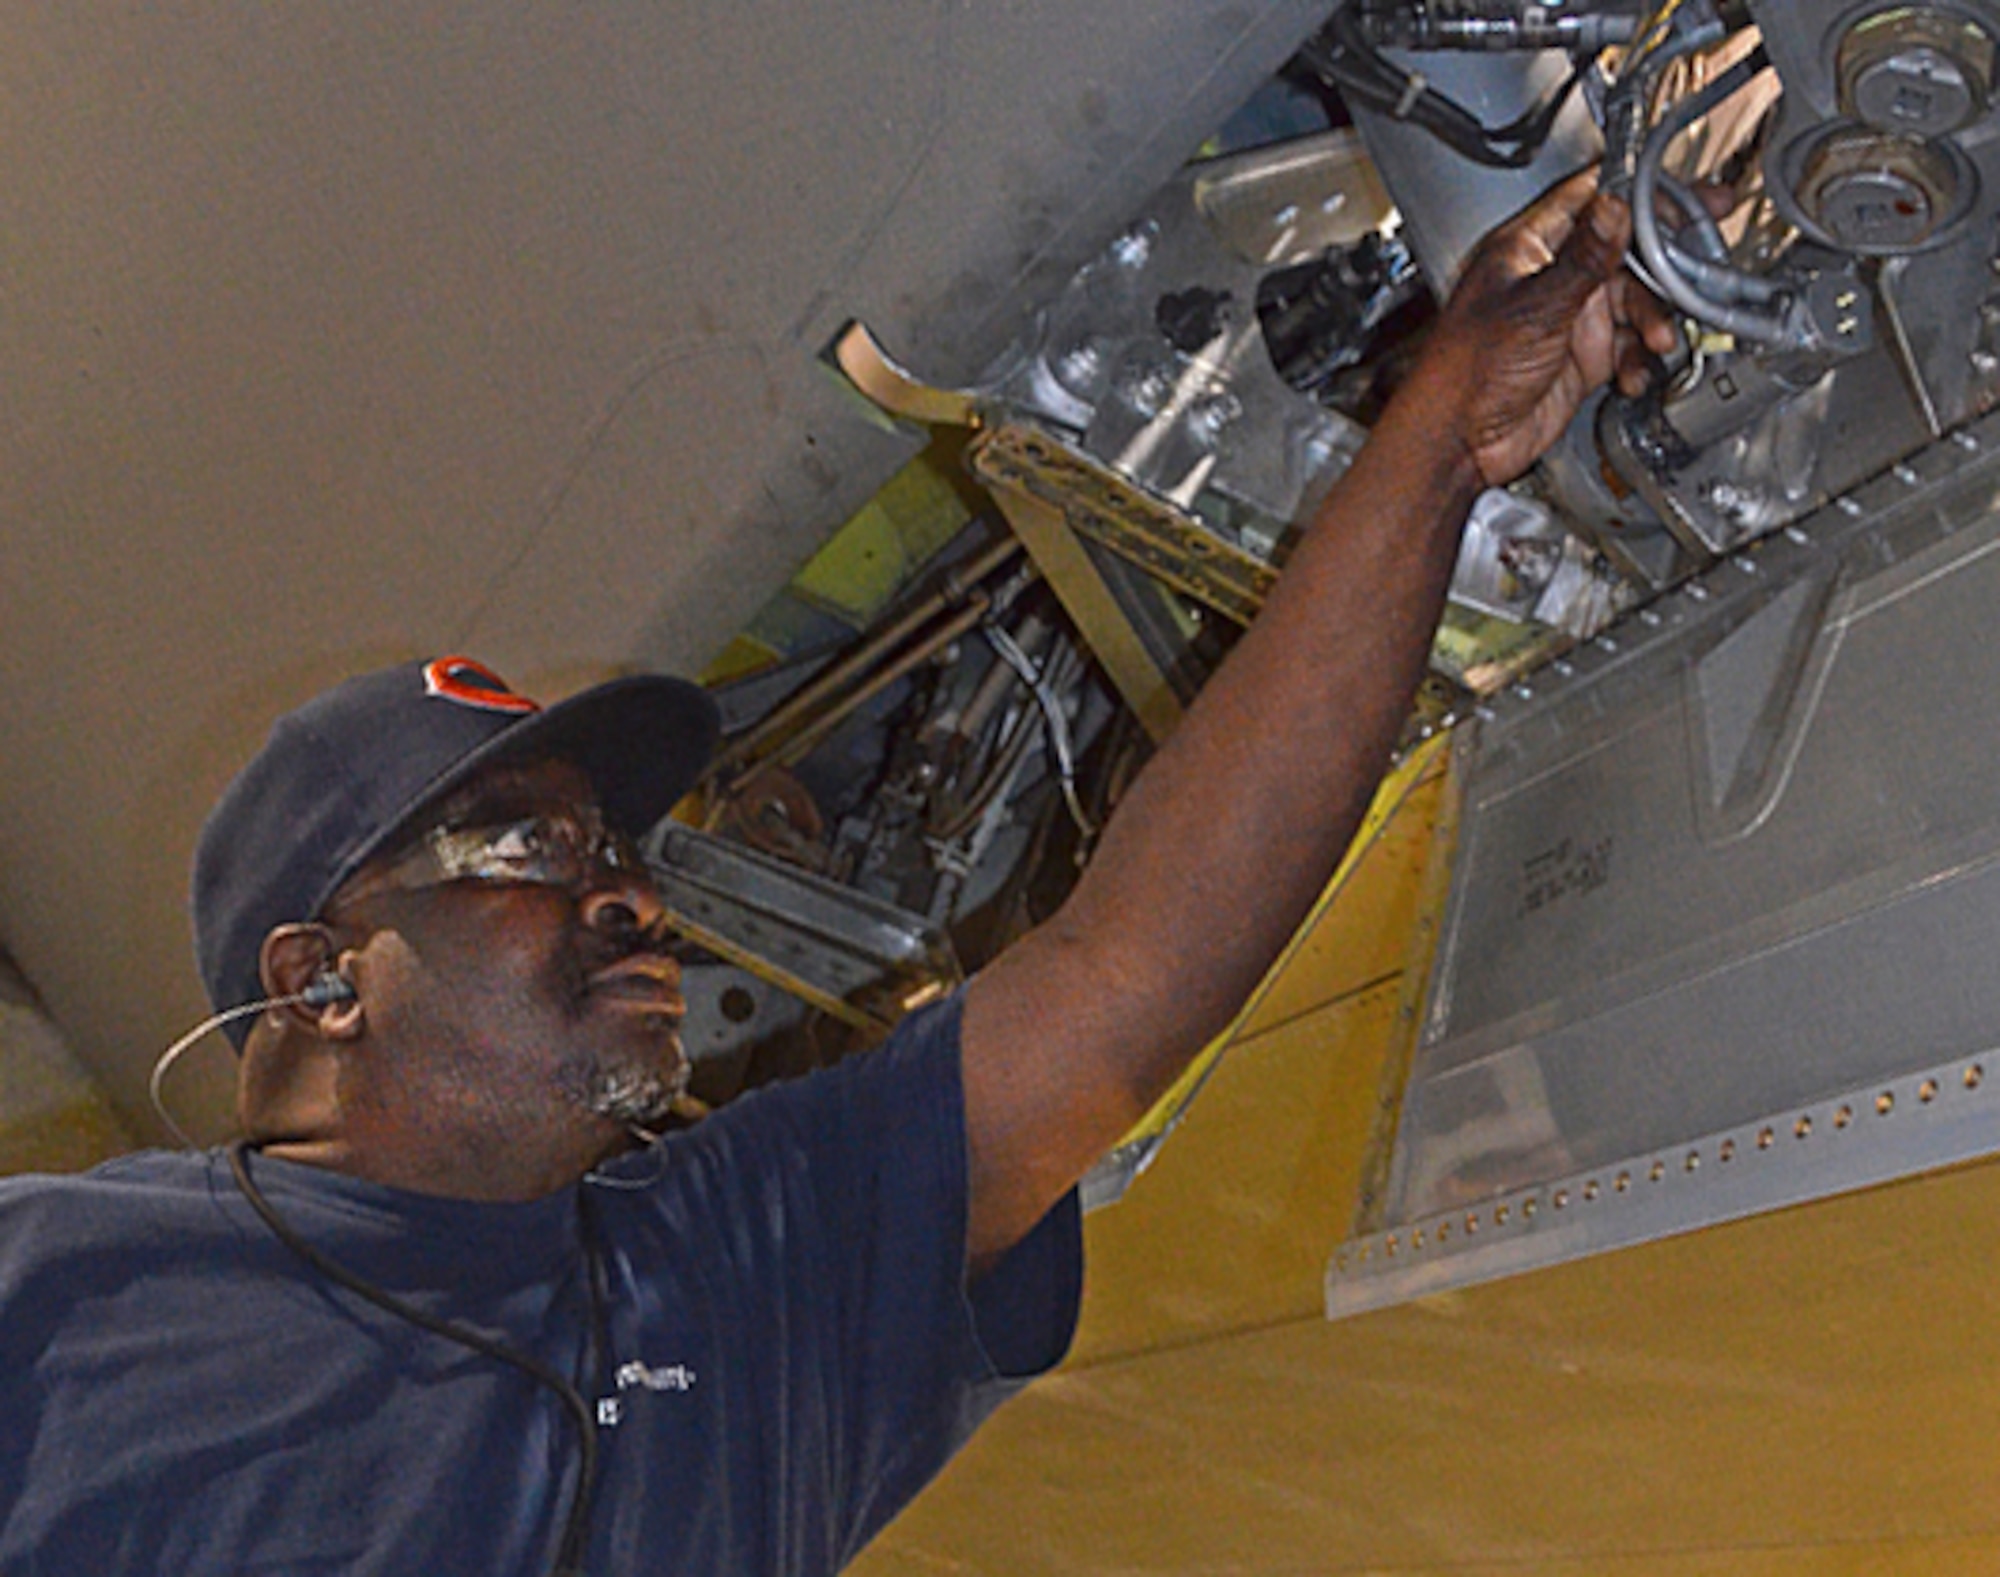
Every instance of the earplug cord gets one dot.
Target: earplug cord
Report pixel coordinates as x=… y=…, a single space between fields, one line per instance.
x=576 y=1528
x=163 y=1064
x=328 y=987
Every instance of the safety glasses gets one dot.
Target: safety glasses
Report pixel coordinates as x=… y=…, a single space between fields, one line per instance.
x=566 y=849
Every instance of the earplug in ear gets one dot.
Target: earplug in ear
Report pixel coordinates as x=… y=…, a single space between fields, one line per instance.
x=328 y=987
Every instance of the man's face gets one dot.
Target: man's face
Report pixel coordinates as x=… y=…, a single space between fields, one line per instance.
x=505 y=996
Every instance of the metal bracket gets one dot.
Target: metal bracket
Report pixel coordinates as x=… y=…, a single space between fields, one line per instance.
x=863 y=961
x=1103 y=506
x=1064 y=563
x=877 y=374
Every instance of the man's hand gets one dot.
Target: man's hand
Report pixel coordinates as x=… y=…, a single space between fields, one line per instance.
x=1543 y=313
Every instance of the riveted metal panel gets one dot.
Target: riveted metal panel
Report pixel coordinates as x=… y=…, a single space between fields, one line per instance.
x=1732 y=871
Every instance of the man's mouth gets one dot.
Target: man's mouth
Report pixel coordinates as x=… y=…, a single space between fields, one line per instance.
x=646 y=980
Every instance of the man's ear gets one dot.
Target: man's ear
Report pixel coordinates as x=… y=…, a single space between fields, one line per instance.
x=293 y=959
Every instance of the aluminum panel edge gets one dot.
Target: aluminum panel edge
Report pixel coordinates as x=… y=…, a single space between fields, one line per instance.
x=1872 y=1134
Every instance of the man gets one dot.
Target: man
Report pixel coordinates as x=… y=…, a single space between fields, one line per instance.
x=438 y=1314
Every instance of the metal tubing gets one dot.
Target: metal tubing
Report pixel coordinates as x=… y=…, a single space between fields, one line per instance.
x=798 y=744
x=748 y=750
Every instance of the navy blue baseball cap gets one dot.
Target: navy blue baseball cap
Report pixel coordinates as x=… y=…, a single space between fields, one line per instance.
x=343 y=776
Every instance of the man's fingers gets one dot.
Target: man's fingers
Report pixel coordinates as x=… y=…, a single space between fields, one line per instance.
x=1657 y=326
x=1551 y=283
x=1546 y=312
x=1636 y=367
x=1651 y=318
x=1553 y=215
x=1527 y=242
x=1601 y=237
x=1591 y=258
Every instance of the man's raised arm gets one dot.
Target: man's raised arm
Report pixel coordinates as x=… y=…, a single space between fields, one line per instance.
x=1233 y=829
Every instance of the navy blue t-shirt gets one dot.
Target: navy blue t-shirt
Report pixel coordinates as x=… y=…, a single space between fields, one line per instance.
x=792 y=1351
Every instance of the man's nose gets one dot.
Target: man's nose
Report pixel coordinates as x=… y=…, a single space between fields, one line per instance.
x=623 y=903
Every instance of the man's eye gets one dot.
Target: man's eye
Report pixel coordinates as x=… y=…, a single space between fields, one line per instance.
x=522 y=841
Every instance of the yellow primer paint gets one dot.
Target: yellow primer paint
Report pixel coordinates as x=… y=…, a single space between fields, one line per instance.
x=893 y=536
x=862 y=567
x=1327 y=959
x=744 y=655
x=1814 y=1386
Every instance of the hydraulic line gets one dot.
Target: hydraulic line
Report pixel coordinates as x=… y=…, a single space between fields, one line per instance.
x=789 y=750
x=1496 y=26
x=1344 y=58
x=1664 y=37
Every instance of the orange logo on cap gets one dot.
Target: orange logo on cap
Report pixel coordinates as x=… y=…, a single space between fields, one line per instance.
x=471 y=683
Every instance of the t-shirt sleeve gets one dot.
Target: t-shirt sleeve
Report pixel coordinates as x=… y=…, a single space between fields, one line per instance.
x=938 y=1357
x=869 y=1163
x=1017 y=1319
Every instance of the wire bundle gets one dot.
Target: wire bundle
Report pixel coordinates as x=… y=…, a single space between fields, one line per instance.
x=1701 y=281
